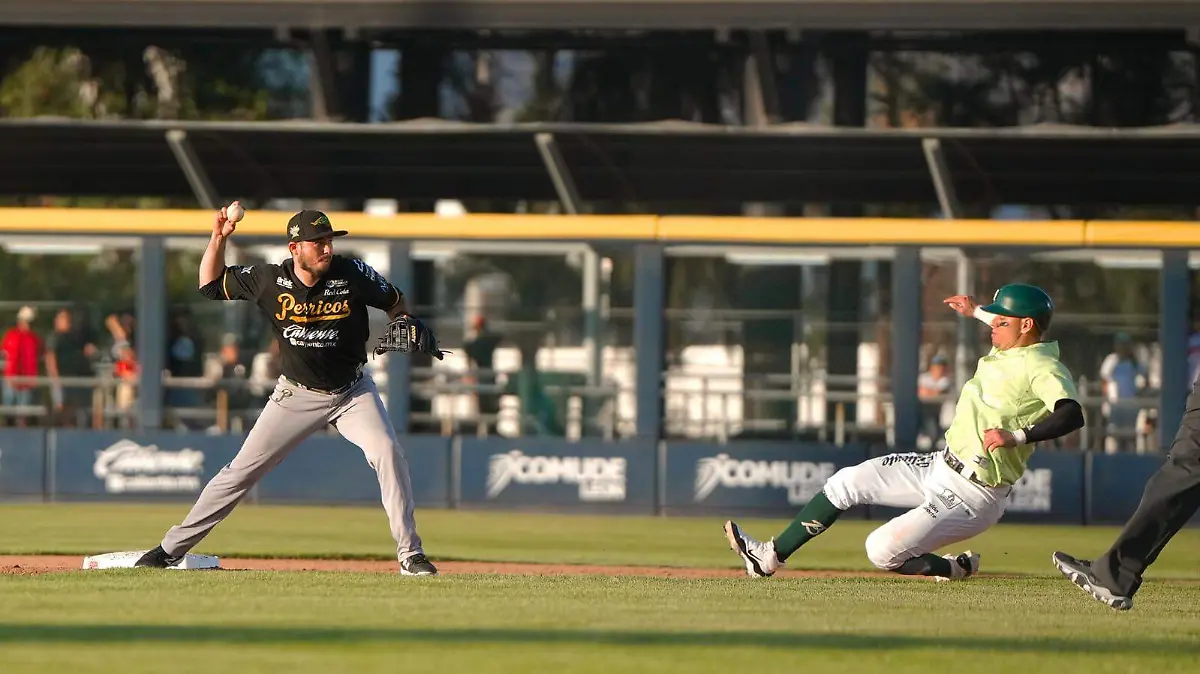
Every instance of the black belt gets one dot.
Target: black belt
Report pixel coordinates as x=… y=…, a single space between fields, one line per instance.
x=334 y=392
x=962 y=469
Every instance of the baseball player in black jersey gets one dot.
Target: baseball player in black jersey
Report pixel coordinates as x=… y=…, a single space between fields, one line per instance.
x=317 y=305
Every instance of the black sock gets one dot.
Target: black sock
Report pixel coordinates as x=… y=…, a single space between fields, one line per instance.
x=927 y=564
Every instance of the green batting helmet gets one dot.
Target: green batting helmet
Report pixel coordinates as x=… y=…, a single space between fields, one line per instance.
x=1023 y=301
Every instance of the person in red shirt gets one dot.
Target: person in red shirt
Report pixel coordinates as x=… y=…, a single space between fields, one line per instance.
x=22 y=355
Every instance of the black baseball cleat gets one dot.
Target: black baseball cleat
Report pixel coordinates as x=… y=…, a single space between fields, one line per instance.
x=962 y=566
x=1079 y=571
x=417 y=565
x=157 y=559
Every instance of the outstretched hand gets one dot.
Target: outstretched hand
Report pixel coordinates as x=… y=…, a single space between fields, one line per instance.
x=963 y=304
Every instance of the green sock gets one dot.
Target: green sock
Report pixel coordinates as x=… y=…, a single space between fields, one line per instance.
x=816 y=516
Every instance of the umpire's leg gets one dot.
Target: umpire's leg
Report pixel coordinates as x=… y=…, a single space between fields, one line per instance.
x=1171 y=497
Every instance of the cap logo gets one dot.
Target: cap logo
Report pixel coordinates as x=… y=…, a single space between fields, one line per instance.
x=321 y=221
x=294 y=231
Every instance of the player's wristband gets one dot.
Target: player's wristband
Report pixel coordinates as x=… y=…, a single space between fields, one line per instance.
x=1019 y=436
x=984 y=316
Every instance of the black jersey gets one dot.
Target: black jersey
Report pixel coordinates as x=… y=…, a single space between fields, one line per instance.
x=322 y=330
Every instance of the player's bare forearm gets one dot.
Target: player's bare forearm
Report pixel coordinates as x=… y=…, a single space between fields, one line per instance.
x=213 y=262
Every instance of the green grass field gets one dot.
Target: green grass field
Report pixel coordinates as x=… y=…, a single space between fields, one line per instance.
x=244 y=621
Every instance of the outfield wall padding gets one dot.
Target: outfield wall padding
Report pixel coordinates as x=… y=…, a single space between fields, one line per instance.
x=329 y=469
x=22 y=464
x=536 y=472
x=675 y=477
x=133 y=466
x=768 y=477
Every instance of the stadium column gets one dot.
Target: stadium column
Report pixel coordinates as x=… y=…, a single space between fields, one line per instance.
x=767 y=345
x=151 y=344
x=906 y=344
x=339 y=77
x=399 y=369
x=420 y=78
x=1174 y=288
x=356 y=81
x=421 y=70
x=845 y=298
x=340 y=87
x=966 y=333
x=649 y=309
x=592 y=332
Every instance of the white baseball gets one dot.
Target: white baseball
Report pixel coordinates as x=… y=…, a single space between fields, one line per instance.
x=234 y=212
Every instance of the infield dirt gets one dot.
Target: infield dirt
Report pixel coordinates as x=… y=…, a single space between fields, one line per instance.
x=36 y=564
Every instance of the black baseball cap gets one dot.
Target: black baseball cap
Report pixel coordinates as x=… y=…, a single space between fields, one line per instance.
x=310 y=225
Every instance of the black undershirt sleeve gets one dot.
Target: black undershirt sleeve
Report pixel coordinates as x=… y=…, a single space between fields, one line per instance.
x=1066 y=418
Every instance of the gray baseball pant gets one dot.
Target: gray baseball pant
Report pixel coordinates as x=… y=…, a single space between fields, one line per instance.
x=292 y=414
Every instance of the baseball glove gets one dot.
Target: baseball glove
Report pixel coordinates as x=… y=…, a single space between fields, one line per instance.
x=407 y=334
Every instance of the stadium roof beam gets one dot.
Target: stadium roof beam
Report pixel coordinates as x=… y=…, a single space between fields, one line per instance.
x=658 y=166
x=192 y=169
x=560 y=175
x=943 y=183
x=1048 y=42
x=1073 y=15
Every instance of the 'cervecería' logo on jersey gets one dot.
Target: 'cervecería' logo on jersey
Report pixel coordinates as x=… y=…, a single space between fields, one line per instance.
x=308 y=312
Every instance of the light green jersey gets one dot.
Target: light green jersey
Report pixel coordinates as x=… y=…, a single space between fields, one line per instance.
x=1011 y=389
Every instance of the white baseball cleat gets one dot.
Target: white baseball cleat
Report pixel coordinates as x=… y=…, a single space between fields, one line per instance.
x=961 y=566
x=760 y=558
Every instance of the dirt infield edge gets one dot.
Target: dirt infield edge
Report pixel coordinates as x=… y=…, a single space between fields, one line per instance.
x=39 y=564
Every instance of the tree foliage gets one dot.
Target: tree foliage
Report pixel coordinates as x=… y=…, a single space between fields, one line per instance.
x=151 y=82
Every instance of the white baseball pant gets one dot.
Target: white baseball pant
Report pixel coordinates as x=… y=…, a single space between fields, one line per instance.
x=946 y=507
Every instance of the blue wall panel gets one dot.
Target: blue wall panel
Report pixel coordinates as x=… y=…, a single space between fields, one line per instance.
x=330 y=469
x=750 y=476
x=536 y=472
x=22 y=463
x=110 y=465
x=1117 y=483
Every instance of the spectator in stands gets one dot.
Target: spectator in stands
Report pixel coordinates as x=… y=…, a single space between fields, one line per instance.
x=265 y=369
x=22 y=355
x=231 y=358
x=539 y=415
x=122 y=330
x=69 y=353
x=125 y=364
x=481 y=350
x=185 y=358
x=1123 y=376
x=933 y=384
x=231 y=377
